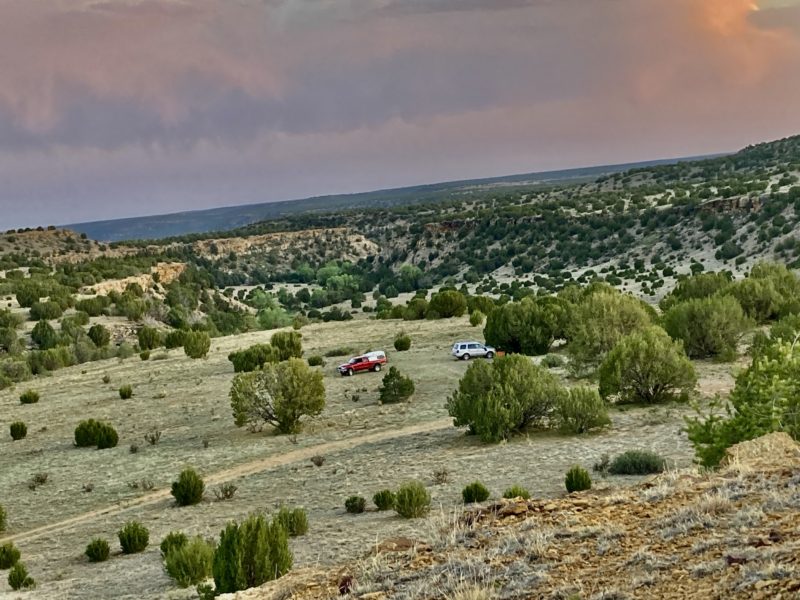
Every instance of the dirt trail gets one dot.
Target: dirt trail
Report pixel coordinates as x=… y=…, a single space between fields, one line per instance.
x=250 y=468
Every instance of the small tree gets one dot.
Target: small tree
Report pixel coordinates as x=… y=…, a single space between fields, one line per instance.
x=287 y=344
x=647 y=367
x=384 y=500
x=97 y=550
x=412 y=500
x=475 y=492
x=709 y=327
x=19 y=579
x=190 y=563
x=133 y=537
x=196 y=344
x=252 y=358
x=447 y=304
x=173 y=540
x=9 y=555
x=99 y=335
x=396 y=387
x=577 y=480
x=189 y=488
x=150 y=338
x=279 y=394
x=498 y=399
x=766 y=398
x=402 y=342
x=476 y=318
x=44 y=336
x=527 y=327
x=581 y=410
x=250 y=554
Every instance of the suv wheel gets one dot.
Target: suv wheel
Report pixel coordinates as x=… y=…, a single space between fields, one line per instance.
x=376 y=368
x=465 y=357
x=350 y=372
x=490 y=354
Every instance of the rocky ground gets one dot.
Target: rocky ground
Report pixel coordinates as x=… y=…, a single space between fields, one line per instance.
x=685 y=534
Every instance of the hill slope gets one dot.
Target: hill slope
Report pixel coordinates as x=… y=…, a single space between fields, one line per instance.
x=731 y=534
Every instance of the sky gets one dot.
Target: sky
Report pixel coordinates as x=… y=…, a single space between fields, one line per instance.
x=115 y=108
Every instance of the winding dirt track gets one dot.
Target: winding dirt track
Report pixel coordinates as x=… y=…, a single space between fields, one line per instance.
x=250 y=468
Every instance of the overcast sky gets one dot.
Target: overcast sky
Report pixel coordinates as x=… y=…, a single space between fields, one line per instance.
x=113 y=108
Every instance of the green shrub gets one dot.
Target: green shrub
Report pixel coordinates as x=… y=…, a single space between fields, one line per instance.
x=97 y=550
x=252 y=358
x=475 y=492
x=3 y=519
x=637 y=462
x=476 y=318
x=766 y=398
x=250 y=554
x=384 y=499
x=133 y=537
x=501 y=398
x=287 y=344
x=144 y=355
x=189 y=488
x=190 y=563
x=175 y=339
x=106 y=437
x=18 y=430
x=279 y=394
x=412 y=500
x=294 y=520
x=99 y=335
x=86 y=433
x=396 y=387
x=516 y=491
x=19 y=579
x=316 y=361
x=44 y=336
x=29 y=397
x=577 y=480
x=355 y=504
x=709 y=327
x=126 y=392
x=45 y=311
x=553 y=361
x=173 y=540
x=9 y=555
x=696 y=287
x=581 y=410
x=196 y=344
x=647 y=367
x=340 y=352
x=402 y=342
x=527 y=327
x=598 y=322
x=149 y=338
x=446 y=304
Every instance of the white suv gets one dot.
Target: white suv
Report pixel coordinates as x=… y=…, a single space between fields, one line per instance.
x=467 y=350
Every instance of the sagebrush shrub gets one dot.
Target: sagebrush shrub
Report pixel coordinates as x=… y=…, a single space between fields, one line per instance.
x=174 y=539
x=9 y=555
x=106 y=437
x=126 y=392
x=581 y=410
x=19 y=579
x=475 y=492
x=190 y=563
x=29 y=397
x=402 y=342
x=294 y=520
x=18 y=430
x=196 y=344
x=476 y=318
x=412 y=500
x=250 y=554
x=97 y=550
x=86 y=433
x=396 y=387
x=189 y=488
x=577 y=479
x=144 y=355
x=133 y=537
x=384 y=499
x=316 y=361
x=516 y=491
x=637 y=462
x=355 y=504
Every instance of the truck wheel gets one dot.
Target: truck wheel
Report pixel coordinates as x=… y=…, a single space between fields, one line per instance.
x=465 y=357
x=376 y=368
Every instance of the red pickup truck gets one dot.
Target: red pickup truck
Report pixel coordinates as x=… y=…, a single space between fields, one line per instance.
x=371 y=361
